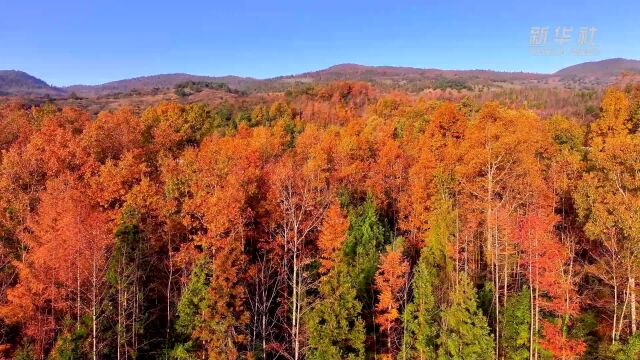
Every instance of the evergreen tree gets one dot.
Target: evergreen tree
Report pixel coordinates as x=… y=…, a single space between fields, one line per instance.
x=70 y=345
x=441 y=235
x=627 y=351
x=433 y=271
x=191 y=308
x=24 y=352
x=516 y=320
x=335 y=328
x=420 y=318
x=366 y=237
x=465 y=332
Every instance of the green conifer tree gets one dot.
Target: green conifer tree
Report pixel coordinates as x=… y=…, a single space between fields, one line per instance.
x=192 y=306
x=465 y=332
x=336 y=330
x=366 y=237
x=516 y=319
x=420 y=318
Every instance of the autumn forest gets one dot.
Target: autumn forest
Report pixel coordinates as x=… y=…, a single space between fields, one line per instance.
x=338 y=222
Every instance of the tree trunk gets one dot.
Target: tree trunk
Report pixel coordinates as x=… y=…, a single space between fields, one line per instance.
x=497 y=288
x=169 y=292
x=119 y=328
x=531 y=309
x=78 y=295
x=294 y=299
x=493 y=243
x=632 y=290
x=94 y=316
x=615 y=308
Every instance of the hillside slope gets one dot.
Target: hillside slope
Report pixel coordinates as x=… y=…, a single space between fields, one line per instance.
x=588 y=74
x=14 y=82
x=601 y=69
x=161 y=81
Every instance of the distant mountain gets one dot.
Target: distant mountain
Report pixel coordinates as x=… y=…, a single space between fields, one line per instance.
x=385 y=73
x=161 y=81
x=597 y=73
x=408 y=77
x=395 y=76
x=14 y=82
x=601 y=69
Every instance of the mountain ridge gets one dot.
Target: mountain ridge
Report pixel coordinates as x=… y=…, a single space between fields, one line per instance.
x=152 y=81
x=14 y=82
x=607 y=67
x=17 y=82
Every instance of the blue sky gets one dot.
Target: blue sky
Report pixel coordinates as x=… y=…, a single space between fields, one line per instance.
x=90 y=42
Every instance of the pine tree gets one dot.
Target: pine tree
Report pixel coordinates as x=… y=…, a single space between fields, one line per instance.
x=191 y=308
x=420 y=318
x=465 y=332
x=365 y=238
x=70 y=344
x=335 y=328
x=516 y=321
x=628 y=351
x=433 y=271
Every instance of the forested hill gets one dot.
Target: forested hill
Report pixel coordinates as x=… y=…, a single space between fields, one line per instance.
x=13 y=82
x=584 y=75
x=155 y=81
x=342 y=222
x=604 y=68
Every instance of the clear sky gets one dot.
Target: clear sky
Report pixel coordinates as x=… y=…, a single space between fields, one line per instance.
x=91 y=42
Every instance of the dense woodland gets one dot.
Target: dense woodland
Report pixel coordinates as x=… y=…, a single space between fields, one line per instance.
x=341 y=222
